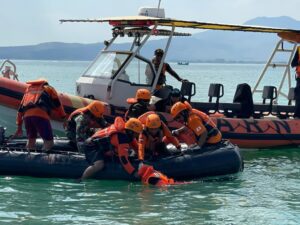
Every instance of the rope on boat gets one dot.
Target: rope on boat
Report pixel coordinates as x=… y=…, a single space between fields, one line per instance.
x=21 y=149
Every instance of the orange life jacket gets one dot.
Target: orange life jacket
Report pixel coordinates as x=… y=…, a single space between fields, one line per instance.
x=298 y=66
x=151 y=176
x=146 y=141
x=32 y=94
x=77 y=112
x=213 y=133
x=118 y=126
x=121 y=150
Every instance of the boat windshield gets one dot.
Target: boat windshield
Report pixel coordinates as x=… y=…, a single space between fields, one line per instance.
x=107 y=64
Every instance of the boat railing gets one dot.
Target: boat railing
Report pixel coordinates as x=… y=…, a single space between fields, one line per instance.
x=279 y=48
x=6 y=70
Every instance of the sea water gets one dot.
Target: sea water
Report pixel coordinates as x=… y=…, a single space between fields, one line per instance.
x=267 y=192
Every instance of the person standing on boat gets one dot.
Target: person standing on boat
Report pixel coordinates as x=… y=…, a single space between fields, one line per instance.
x=82 y=122
x=165 y=68
x=118 y=137
x=39 y=101
x=155 y=136
x=139 y=104
x=204 y=129
x=296 y=64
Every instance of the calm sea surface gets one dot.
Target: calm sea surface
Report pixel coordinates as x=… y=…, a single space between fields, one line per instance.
x=267 y=192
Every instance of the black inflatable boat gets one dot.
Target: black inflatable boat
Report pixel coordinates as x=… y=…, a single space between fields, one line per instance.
x=64 y=162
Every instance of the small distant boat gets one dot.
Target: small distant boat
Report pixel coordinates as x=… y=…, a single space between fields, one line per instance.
x=184 y=63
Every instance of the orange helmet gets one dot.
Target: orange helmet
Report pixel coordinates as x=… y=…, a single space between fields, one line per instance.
x=96 y=108
x=178 y=108
x=134 y=125
x=143 y=94
x=153 y=121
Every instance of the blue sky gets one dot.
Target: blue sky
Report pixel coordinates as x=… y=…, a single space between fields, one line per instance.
x=25 y=22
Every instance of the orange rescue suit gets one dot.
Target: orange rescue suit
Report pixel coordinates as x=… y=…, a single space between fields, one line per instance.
x=146 y=141
x=39 y=100
x=151 y=176
x=121 y=143
x=198 y=122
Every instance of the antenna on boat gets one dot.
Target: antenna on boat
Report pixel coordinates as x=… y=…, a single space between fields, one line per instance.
x=158 y=7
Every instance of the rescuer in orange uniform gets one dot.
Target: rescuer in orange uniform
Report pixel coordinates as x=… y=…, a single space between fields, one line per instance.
x=202 y=126
x=38 y=102
x=153 y=139
x=151 y=176
x=82 y=122
x=139 y=105
x=120 y=136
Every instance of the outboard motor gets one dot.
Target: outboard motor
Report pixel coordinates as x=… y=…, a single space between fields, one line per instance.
x=2 y=135
x=243 y=95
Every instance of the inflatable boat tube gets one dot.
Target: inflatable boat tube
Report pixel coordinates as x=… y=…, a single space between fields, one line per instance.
x=64 y=162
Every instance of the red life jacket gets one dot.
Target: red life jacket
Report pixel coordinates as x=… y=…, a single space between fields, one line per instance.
x=151 y=176
x=32 y=94
x=118 y=126
x=121 y=150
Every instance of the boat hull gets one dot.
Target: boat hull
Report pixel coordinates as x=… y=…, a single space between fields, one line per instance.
x=246 y=133
x=260 y=133
x=219 y=160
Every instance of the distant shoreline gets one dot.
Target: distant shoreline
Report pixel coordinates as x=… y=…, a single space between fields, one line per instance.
x=220 y=61
x=171 y=61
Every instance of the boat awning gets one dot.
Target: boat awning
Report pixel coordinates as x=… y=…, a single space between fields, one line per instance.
x=128 y=21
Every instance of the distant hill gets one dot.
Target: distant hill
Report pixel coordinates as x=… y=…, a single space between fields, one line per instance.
x=202 y=46
x=52 y=51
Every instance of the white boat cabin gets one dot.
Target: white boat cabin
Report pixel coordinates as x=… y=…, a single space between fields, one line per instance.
x=114 y=75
